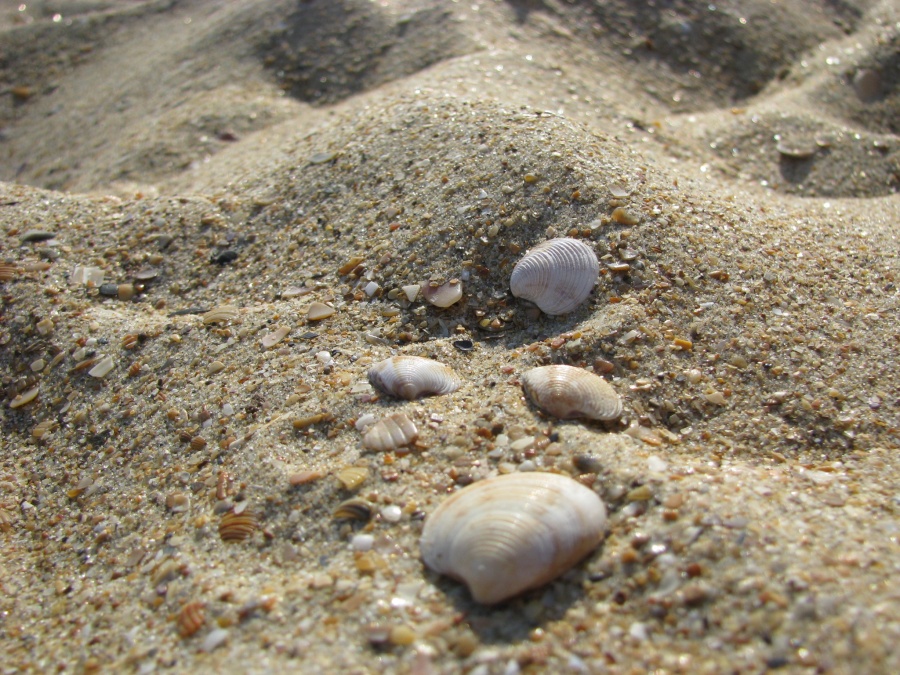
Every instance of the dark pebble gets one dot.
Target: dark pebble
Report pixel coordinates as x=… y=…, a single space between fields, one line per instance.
x=36 y=235
x=224 y=257
x=464 y=345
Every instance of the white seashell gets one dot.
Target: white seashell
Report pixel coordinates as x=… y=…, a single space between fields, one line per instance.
x=511 y=533
x=556 y=275
x=568 y=392
x=103 y=367
x=443 y=295
x=391 y=433
x=410 y=377
x=276 y=336
x=220 y=314
x=318 y=311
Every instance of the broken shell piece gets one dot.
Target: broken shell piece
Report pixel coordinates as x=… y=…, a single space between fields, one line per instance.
x=8 y=271
x=353 y=509
x=568 y=392
x=352 y=477
x=391 y=433
x=443 y=295
x=511 y=533
x=220 y=314
x=411 y=291
x=318 y=311
x=556 y=275
x=275 y=336
x=103 y=367
x=411 y=377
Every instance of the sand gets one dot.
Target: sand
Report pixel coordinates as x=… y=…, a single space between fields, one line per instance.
x=735 y=167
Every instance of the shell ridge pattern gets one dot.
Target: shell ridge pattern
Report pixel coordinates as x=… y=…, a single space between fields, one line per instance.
x=556 y=275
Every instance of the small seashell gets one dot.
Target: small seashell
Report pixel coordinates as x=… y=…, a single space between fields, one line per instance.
x=303 y=422
x=352 y=477
x=443 y=295
x=411 y=291
x=25 y=397
x=238 y=526
x=43 y=428
x=568 y=392
x=353 y=509
x=214 y=367
x=511 y=533
x=191 y=619
x=391 y=433
x=556 y=275
x=220 y=314
x=275 y=336
x=130 y=341
x=103 y=367
x=198 y=443
x=318 y=311
x=8 y=271
x=411 y=377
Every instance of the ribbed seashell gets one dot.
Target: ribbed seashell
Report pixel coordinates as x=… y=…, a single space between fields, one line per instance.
x=191 y=618
x=220 y=314
x=352 y=477
x=556 y=275
x=390 y=433
x=568 y=392
x=8 y=271
x=512 y=533
x=353 y=509
x=238 y=526
x=411 y=377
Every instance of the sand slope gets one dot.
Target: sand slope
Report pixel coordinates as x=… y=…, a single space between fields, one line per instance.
x=734 y=167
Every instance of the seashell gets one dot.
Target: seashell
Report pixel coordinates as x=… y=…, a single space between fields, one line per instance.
x=198 y=443
x=568 y=392
x=130 y=341
x=44 y=428
x=352 y=477
x=220 y=314
x=411 y=377
x=191 y=619
x=276 y=336
x=8 y=271
x=103 y=367
x=353 y=509
x=511 y=533
x=238 y=526
x=25 y=397
x=443 y=295
x=390 y=433
x=556 y=275
x=318 y=311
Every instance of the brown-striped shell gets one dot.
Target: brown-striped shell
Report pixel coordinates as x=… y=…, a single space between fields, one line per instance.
x=556 y=275
x=191 y=618
x=412 y=377
x=238 y=526
x=390 y=433
x=568 y=392
x=511 y=533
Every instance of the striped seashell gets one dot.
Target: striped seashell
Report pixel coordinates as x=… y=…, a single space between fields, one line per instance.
x=412 y=377
x=191 y=619
x=568 y=392
x=512 y=533
x=352 y=477
x=353 y=509
x=238 y=526
x=8 y=271
x=220 y=314
x=556 y=275
x=390 y=433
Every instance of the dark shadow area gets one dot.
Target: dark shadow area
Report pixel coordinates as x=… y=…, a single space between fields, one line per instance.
x=326 y=50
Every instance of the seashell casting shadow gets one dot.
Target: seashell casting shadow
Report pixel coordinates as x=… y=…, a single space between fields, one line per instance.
x=513 y=533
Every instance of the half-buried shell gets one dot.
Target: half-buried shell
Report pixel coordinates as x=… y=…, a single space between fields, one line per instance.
x=390 y=433
x=556 y=275
x=412 y=377
x=511 y=533
x=568 y=392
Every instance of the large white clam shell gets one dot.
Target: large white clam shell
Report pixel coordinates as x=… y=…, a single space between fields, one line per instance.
x=411 y=377
x=556 y=275
x=568 y=392
x=511 y=533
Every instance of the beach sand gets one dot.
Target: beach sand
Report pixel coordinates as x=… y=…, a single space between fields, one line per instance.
x=735 y=166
